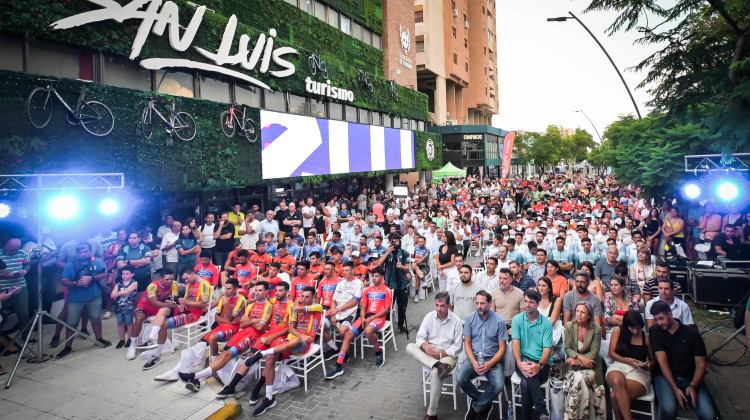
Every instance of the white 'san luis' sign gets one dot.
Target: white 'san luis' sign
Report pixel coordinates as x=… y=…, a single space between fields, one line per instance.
x=156 y=17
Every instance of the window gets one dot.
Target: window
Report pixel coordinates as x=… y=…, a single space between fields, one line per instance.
x=376 y=41
x=274 y=101
x=58 y=60
x=387 y=121
x=376 y=119
x=357 y=30
x=350 y=113
x=454 y=32
x=405 y=124
x=317 y=108
x=333 y=18
x=306 y=5
x=320 y=11
x=297 y=105
x=214 y=89
x=412 y=124
x=364 y=116
x=419 y=16
x=455 y=58
x=396 y=122
x=420 y=44
x=175 y=83
x=11 y=54
x=335 y=111
x=466 y=66
x=247 y=95
x=420 y=125
x=124 y=73
x=346 y=25
x=490 y=36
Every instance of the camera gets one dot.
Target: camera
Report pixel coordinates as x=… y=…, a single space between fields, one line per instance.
x=396 y=247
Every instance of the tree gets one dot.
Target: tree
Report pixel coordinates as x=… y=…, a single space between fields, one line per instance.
x=547 y=148
x=576 y=146
x=701 y=75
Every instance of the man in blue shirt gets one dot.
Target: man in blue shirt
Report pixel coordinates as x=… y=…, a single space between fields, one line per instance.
x=335 y=241
x=269 y=224
x=586 y=254
x=532 y=350
x=563 y=256
x=312 y=246
x=377 y=246
x=485 y=337
x=82 y=276
x=291 y=247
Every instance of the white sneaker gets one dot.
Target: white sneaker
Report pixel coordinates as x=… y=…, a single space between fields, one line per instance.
x=107 y=315
x=416 y=299
x=168 y=376
x=131 y=353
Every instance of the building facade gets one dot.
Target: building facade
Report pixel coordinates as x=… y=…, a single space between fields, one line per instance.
x=310 y=75
x=457 y=59
x=475 y=148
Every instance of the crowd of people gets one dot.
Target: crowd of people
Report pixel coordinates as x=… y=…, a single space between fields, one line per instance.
x=568 y=282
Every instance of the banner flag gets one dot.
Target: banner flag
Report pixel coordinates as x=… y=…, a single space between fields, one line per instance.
x=507 y=154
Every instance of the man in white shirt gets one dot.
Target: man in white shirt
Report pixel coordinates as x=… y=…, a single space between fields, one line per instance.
x=488 y=279
x=439 y=342
x=164 y=229
x=308 y=212
x=207 y=232
x=250 y=231
x=169 y=246
x=680 y=309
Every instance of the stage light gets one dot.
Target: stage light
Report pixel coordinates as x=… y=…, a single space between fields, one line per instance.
x=63 y=207
x=727 y=191
x=109 y=206
x=4 y=210
x=691 y=191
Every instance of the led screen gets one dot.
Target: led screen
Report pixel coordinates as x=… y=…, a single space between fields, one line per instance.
x=295 y=145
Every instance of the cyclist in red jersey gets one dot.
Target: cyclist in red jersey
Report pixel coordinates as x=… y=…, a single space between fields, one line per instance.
x=327 y=286
x=316 y=266
x=375 y=306
x=245 y=272
x=206 y=269
x=304 y=324
x=159 y=296
x=253 y=324
x=229 y=307
x=227 y=270
x=302 y=280
x=259 y=257
x=192 y=305
x=287 y=261
x=273 y=279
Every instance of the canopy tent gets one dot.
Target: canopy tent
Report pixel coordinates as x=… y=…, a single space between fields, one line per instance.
x=447 y=171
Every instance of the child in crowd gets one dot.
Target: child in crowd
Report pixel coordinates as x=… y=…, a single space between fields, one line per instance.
x=124 y=297
x=271 y=245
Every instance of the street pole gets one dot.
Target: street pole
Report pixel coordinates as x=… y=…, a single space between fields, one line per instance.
x=592 y=125
x=563 y=19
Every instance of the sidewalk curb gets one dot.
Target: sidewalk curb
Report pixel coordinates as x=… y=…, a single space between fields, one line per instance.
x=232 y=408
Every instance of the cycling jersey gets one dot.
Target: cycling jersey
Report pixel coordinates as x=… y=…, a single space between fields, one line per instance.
x=286 y=262
x=245 y=272
x=260 y=310
x=326 y=288
x=261 y=261
x=377 y=298
x=210 y=273
x=298 y=285
x=362 y=272
x=235 y=305
x=308 y=322
x=199 y=291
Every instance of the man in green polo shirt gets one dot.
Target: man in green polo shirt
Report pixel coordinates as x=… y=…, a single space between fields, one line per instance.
x=532 y=350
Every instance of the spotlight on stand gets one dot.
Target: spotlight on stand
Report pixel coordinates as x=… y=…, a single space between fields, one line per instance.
x=691 y=191
x=4 y=210
x=109 y=206
x=63 y=207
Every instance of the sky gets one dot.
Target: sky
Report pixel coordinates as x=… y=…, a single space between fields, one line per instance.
x=548 y=70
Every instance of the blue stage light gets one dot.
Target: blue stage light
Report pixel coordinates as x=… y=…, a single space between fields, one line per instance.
x=691 y=191
x=109 y=206
x=4 y=210
x=727 y=190
x=63 y=207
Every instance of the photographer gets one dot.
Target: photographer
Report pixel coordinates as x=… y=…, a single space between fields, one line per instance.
x=82 y=277
x=395 y=261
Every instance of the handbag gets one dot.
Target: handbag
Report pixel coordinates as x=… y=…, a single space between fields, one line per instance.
x=285 y=379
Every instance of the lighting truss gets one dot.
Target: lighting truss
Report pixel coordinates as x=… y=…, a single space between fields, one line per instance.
x=717 y=163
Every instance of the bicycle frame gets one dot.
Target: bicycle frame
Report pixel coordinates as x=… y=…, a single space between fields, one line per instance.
x=166 y=121
x=235 y=117
x=79 y=104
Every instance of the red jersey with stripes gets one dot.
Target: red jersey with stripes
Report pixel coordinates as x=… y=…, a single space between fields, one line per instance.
x=308 y=322
x=210 y=273
x=281 y=313
x=234 y=305
x=260 y=310
x=161 y=293
x=298 y=285
x=199 y=291
x=326 y=289
x=272 y=282
x=376 y=298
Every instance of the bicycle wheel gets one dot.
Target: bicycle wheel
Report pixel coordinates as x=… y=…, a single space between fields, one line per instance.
x=147 y=124
x=97 y=119
x=251 y=130
x=227 y=126
x=184 y=126
x=324 y=70
x=311 y=64
x=39 y=107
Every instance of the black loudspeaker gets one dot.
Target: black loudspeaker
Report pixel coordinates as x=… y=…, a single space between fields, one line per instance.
x=719 y=287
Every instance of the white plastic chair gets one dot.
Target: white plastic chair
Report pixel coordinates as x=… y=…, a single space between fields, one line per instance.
x=497 y=401
x=385 y=335
x=515 y=383
x=428 y=282
x=189 y=334
x=304 y=364
x=449 y=388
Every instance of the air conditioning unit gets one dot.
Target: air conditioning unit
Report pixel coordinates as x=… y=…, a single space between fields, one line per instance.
x=451 y=122
x=455 y=12
x=466 y=24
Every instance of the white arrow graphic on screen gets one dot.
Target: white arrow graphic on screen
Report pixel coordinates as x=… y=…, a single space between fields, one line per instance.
x=287 y=152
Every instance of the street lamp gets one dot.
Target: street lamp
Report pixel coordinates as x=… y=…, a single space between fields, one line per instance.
x=572 y=16
x=592 y=124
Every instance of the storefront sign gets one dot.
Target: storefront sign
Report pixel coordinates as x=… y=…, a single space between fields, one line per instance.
x=325 y=89
x=156 y=19
x=473 y=137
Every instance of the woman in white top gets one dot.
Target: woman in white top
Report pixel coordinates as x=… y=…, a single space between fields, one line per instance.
x=550 y=306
